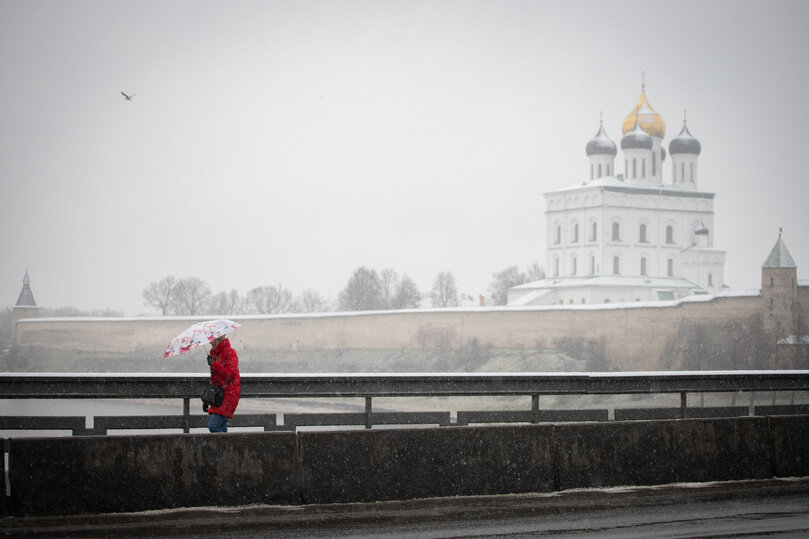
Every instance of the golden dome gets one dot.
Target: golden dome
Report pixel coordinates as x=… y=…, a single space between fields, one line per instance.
x=648 y=119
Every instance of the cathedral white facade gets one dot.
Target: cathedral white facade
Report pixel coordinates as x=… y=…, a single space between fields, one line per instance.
x=631 y=236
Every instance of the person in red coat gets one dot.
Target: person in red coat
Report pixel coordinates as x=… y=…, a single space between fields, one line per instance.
x=224 y=373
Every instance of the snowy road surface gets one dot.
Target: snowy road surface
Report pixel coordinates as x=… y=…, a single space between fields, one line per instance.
x=751 y=518
x=755 y=508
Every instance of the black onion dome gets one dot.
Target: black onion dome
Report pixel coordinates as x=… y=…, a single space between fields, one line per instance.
x=601 y=144
x=684 y=143
x=636 y=139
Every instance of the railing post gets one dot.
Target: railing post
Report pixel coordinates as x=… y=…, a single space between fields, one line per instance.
x=683 y=404
x=534 y=408
x=187 y=415
x=367 y=412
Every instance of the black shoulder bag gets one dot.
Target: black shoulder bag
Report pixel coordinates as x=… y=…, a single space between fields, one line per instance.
x=213 y=395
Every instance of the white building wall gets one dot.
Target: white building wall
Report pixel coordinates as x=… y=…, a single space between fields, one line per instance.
x=670 y=217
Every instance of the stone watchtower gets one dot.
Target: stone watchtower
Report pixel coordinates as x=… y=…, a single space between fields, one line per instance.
x=26 y=307
x=779 y=291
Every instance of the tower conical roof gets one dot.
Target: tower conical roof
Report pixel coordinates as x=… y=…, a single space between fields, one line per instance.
x=26 y=298
x=779 y=256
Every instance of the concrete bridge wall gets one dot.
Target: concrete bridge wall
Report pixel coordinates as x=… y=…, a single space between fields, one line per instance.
x=134 y=473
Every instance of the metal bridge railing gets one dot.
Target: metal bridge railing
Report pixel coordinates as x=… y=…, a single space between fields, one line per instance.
x=188 y=387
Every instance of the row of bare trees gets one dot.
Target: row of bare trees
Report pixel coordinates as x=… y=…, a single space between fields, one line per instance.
x=366 y=290
x=192 y=296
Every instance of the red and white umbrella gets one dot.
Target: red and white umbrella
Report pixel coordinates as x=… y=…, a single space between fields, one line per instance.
x=199 y=333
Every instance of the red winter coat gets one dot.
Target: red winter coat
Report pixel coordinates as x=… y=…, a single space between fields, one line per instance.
x=225 y=373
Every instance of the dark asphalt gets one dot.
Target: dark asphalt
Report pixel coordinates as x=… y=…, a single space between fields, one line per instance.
x=772 y=508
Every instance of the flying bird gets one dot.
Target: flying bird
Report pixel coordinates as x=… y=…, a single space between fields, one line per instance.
x=128 y=97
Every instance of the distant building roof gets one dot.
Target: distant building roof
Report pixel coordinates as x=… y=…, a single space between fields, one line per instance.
x=26 y=298
x=608 y=280
x=779 y=256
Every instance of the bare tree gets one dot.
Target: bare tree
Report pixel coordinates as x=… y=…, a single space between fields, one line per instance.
x=160 y=294
x=270 y=299
x=191 y=295
x=390 y=282
x=363 y=292
x=407 y=294
x=225 y=303
x=5 y=328
x=511 y=277
x=504 y=280
x=311 y=302
x=731 y=345
x=534 y=272
x=444 y=292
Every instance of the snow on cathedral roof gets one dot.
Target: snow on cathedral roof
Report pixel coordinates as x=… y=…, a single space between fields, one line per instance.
x=611 y=183
x=608 y=280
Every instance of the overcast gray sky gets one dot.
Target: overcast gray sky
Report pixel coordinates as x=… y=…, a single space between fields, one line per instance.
x=292 y=142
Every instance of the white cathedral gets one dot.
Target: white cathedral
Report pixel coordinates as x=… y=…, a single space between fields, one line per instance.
x=631 y=236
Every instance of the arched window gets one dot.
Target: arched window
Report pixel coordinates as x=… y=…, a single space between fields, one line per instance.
x=643 y=168
x=616 y=232
x=682 y=172
x=556 y=267
x=654 y=164
x=616 y=265
x=558 y=239
x=670 y=267
x=591 y=171
x=594 y=235
x=669 y=234
x=599 y=170
x=573 y=266
x=634 y=167
x=710 y=279
x=576 y=233
x=592 y=265
x=642 y=234
x=643 y=266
